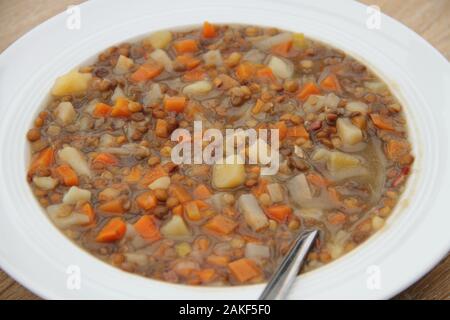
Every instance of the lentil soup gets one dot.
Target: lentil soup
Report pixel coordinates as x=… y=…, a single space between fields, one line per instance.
x=102 y=169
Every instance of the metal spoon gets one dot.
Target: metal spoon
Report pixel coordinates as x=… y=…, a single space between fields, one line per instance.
x=281 y=281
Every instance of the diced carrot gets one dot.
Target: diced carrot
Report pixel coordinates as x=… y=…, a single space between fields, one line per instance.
x=381 y=122
x=188 y=61
x=258 y=106
x=162 y=128
x=396 y=149
x=202 y=244
x=89 y=211
x=147 y=200
x=114 y=206
x=134 y=176
x=147 y=72
x=192 y=211
x=330 y=83
x=221 y=261
x=209 y=31
x=206 y=275
x=67 y=175
x=106 y=158
x=265 y=73
x=185 y=46
x=44 y=159
x=336 y=218
x=260 y=188
x=307 y=90
x=244 y=269
x=282 y=49
x=202 y=205
x=202 y=192
x=317 y=180
x=180 y=193
x=220 y=224
x=194 y=75
x=245 y=71
x=120 y=108
x=178 y=210
x=147 y=228
x=282 y=129
x=101 y=110
x=114 y=230
x=155 y=173
x=297 y=132
x=175 y=104
x=279 y=212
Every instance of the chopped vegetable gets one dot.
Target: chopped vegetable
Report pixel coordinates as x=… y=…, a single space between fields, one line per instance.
x=162 y=58
x=114 y=206
x=256 y=251
x=76 y=194
x=175 y=104
x=159 y=40
x=307 y=90
x=381 y=122
x=65 y=113
x=253 y=214
x=114 y=230
x=147 y=228
x=229 y=174
x=73 y=82
x=44 y=159
x=330 y=83
x=185 y=46
x=101 y=110
x=244 y=269
x=279 y=212
x=281 y=68
x=67 y=175
x=299 y=189
x=220 y=224
x=76 y=160
x=45 y=183
x=275 y=191
x=147 y=200
x=160 y=183
x=106 y=158
x=198 y=88
x=209 y=31
x=147 y=72
x=175 y=228
x=123 y=65
x=192 y=211
x=349 y=133
x=202 y=192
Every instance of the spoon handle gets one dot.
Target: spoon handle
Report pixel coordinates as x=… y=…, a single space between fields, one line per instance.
x=281 y=281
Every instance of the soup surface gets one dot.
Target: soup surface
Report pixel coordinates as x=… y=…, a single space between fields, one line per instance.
x=102 y=164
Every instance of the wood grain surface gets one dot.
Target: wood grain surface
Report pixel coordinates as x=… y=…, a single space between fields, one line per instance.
x=429 y=18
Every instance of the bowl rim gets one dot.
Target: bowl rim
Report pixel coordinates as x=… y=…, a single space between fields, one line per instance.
x=319 y=10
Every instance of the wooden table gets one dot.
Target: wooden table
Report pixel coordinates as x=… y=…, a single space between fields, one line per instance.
x=427 y=18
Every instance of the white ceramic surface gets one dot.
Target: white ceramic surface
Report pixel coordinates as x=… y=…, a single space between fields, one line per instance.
x=416 y=237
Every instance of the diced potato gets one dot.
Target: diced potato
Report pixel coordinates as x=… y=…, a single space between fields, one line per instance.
x=76 y=194
x=257 y=251
x=183 y=249
x=357 y=106
x=107 y=140
x=377 y=222
x=320 y=155
x=154 y=95
x=65 y=113
x=281 y=68
x=299 y=189
x=108 y=194
x=275 y=192
x=253 y=214
x=331 y=100
x=229 y=174
x=45 y=183
x=175 y=228
x=140 y=259
x=123 y=65
x=348 y=132
x=335 y=250
x=159 y=40
x=118 y=92
x=73 y=82
x=198 y=88
x=213 y=58
x=342 y=165
x=76 y=160
x=161 y=183
x=63 y=217
x=160 y=56
x=375 y=86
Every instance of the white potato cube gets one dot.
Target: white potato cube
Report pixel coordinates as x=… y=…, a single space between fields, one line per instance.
x=65 y=113
x=253 y=214
x=175 y=228
x=229 y=174
x=123 y=65
x=45 y=183
x=76 y=194
x=281 y=68
x=75 y=159
x=348 y=132
x=73 y=82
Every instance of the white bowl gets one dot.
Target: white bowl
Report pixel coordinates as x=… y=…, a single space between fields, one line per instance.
x=415 y=238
